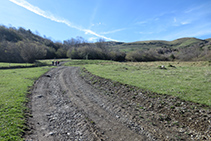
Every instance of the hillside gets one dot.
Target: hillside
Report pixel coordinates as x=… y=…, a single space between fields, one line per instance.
x=18 y=45
x=153 y=44
x=21 y=45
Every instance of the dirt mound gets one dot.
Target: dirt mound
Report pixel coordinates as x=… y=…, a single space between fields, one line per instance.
x=164 y=116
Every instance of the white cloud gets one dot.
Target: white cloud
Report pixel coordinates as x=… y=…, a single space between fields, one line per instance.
x=141 y=22
x=146 y=32
x=96 y=24
x=91 y=39
x=185 y=22
x=48 y=15
x=181 y=22
x=87 y=31
x=113 y=31
x=194 y=9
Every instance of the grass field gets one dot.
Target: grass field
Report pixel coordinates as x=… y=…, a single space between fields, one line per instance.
x=14 y=64
x=14 y=84
x=85 y=62
x=190 y=81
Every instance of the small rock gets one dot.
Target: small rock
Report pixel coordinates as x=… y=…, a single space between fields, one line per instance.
x=39 y=96
x=47 y=75
x=78 y=133
x=181 y=130
x=48 y=114
x=51 y=133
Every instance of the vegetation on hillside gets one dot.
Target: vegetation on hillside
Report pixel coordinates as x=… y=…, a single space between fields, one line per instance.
x=20 y=45
x=183 y=49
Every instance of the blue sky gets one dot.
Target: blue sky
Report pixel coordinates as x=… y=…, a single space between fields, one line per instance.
x=117 y=20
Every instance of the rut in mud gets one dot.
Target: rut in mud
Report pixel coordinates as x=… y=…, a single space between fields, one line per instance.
x=67 y=106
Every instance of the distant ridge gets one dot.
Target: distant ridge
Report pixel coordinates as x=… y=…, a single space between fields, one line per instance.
x=149 y=44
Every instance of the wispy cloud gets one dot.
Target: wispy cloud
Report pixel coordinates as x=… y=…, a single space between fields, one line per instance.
x=141 y=22
x=194 y=9
x=185 y=22
x=197 y=32
x=175 y=20
x=91 y=39
x=148 y=21
x=113 y=31
x=181 y=23
x=96 y=24
x=93 y=16
x=146 y=32
x=50 y=16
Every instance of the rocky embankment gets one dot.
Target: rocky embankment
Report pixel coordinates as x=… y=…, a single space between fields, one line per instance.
x=163 y=117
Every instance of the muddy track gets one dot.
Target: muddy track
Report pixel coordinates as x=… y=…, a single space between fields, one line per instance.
x=66 y=106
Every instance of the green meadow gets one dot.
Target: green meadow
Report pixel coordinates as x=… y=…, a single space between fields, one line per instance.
x=14 y=64
x=190 y=81
x=85 y=62
x=14 y=85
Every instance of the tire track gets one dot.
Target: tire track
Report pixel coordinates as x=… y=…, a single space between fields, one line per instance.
x=89 y=100
x=53 y=115
x=64 y=107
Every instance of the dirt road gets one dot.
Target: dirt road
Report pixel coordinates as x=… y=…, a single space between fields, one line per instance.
x=66 y=106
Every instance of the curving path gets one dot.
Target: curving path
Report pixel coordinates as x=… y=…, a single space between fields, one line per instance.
x=65 y=107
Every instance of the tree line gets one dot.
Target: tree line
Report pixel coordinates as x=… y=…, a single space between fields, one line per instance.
x=21 y=45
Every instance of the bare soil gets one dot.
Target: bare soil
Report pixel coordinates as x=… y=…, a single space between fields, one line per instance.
x=72 y=104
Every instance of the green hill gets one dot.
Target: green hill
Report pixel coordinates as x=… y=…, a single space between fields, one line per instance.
x=21 y=45
x=153 y=44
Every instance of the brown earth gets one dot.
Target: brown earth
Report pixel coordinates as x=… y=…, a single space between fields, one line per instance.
x=67 y=104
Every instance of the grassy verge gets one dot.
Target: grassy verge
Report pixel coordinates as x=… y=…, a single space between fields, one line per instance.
x=188 y=80
x=14 y=64
x=14 y=84
x=85 y=62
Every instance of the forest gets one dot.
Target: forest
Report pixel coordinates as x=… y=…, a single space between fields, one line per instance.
x=21 y=45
